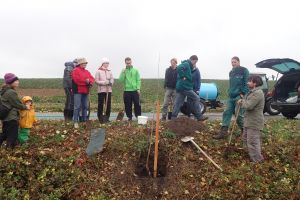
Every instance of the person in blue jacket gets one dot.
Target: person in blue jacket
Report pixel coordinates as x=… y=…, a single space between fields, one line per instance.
x=196 y=76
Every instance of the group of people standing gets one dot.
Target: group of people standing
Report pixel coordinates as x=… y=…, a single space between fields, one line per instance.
x=78 y=81
x=182 y=83
x=246 y=100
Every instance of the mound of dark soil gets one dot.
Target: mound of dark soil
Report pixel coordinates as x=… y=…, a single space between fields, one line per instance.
x=184 y=126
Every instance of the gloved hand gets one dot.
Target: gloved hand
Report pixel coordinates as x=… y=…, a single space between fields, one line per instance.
x=106 y=82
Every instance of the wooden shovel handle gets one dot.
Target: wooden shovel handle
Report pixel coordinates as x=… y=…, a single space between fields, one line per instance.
x=234 y=123
x=211 y=160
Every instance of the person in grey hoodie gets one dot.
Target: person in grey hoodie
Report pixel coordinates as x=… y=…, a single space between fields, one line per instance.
x=67 y=84
x=253 y=104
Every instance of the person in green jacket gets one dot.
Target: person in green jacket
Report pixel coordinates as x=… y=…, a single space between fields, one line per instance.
x=184 y=88
x=238 y=78
x=10 y=100
x=254 y=104
x=130 y=77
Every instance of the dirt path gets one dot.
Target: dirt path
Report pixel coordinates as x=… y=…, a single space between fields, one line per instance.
x=41 y=92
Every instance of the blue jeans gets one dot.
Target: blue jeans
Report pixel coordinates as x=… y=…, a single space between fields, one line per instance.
x=80 y=104
x=193 y=99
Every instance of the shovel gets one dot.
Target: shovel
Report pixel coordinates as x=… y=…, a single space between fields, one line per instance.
x=191 y=139
x=229 y=148
x=234 y=123
x=120 y=115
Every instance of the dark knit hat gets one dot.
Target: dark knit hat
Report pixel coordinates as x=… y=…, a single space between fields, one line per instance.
x=194 y=57
x=9 y=78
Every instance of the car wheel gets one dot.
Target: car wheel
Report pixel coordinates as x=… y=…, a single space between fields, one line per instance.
x=203 y=106
x=289 y=115
x=270 y=110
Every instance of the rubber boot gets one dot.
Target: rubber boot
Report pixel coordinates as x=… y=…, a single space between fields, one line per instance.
x=66 y=116
x=222 y=134
x=70 y=114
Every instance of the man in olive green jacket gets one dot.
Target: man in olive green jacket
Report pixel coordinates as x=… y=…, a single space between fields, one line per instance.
x=253 y=104
x=130 y=77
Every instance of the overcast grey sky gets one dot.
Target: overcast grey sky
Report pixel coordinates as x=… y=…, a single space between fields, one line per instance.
x=38 y=36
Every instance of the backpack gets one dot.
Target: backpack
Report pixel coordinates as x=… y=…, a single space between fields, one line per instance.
x=3 y=109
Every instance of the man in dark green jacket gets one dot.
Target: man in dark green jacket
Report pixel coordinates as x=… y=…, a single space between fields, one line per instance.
x=130 y=77
x=184 y=88
x=238 y=78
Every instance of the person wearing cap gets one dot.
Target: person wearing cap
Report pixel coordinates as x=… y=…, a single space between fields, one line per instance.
x=67 y=84
x=184 y=88
x=130 y=77
x=104 y=80
x=82 y=80
x=10 y=99
x=170 y=87
x=27 y=119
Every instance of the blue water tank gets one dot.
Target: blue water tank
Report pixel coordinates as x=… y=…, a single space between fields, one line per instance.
x=208 y=91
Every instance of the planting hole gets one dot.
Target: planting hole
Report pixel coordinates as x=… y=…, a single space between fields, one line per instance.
x=143 y=171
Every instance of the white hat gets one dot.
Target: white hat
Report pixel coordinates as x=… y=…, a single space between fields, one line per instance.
x=104 y=60
x=81 y=61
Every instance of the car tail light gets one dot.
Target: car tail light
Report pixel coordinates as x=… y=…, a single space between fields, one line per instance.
x=270 y=93
x=299 y=91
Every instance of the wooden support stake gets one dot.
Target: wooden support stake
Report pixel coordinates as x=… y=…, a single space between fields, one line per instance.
x=156 y=139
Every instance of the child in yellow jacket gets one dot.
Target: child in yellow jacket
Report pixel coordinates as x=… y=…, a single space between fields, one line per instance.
x=27 y=119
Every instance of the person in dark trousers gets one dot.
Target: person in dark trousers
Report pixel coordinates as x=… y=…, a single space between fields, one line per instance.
x=184 y=88
x=170 y=87
x=104 y=80
x=67 y=84
x=10 y=99
x=238 y=78
x=130 y=77
x=196 y=77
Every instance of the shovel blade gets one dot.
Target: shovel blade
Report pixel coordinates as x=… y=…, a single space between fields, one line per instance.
x=120 y=116
x=187 y=139
x=96 y=143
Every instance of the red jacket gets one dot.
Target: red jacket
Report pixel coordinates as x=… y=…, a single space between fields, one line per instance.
x=79 y=78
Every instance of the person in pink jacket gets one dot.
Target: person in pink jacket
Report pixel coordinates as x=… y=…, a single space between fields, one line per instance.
x=104 y=80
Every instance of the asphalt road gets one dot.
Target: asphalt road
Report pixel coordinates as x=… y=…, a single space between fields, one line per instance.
x=212 y=116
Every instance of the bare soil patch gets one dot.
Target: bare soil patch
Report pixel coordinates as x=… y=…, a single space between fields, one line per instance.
x=184 y=126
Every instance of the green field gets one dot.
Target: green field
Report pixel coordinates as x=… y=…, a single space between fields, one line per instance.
x=151 y=90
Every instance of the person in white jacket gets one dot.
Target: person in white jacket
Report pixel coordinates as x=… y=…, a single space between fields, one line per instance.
x=104 y=80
